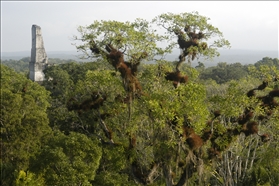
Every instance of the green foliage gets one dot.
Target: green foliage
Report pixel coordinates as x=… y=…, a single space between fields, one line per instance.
x=105 y=134
x=133 y=37
x=58 y=82
x=264 y=72
x=224 y=72
x=24 y=122
x=68 y=160
x=28 y=179
x=105 y=81
x=266 y=171
x=155 y=118
x=112 y=178
x=56 y=61
x=172 y=22
x=268 y=62
x=22 y=65
x=63 y=83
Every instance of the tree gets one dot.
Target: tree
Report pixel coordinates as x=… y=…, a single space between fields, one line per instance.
x=154 y=132
x=200 y=66
x=224 y=72
x=241 y=159
x=21 y=65
x=268 y=61
x=67 y=159
x=156 y=114
x=192 y=32
x=24 y=122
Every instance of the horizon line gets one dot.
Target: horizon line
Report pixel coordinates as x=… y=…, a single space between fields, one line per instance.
x=224 y=49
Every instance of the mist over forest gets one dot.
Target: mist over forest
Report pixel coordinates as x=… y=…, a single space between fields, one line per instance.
x=226 y=55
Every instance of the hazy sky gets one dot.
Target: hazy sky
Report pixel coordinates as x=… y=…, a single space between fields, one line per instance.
x=251 y=25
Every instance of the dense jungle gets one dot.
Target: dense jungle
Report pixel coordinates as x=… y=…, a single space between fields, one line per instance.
x=117 y=120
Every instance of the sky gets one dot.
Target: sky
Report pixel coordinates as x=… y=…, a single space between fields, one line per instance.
x=248 y=25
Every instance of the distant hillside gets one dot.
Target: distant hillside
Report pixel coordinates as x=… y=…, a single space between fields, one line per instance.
x=233 y=56
x=52 y=54
x=229 y=56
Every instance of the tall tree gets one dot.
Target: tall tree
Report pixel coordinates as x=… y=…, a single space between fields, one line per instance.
x=167 y=133
x=24 y=122
x=165 y=113
x=194 y=35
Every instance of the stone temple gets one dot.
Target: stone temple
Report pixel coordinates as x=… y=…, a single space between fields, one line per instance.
x=39 y=60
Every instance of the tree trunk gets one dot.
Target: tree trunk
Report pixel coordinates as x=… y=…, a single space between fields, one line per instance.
x=167 y=174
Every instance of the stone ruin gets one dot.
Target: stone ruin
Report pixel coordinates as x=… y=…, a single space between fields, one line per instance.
x=39 y=60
